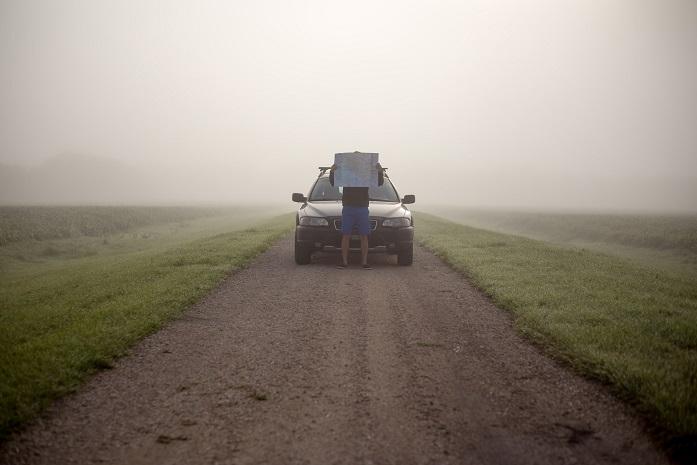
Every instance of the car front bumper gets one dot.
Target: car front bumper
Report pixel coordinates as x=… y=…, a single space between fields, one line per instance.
x=328 y=238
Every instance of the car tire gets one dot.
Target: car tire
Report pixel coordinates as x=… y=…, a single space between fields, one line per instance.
x=303 y=255
x=405 y=257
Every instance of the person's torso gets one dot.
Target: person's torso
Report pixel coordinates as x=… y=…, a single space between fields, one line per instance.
x=355 y=197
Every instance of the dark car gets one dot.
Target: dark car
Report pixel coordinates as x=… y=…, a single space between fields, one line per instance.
x=318 y=221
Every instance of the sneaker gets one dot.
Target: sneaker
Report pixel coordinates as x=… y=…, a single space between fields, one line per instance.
x=341 y=266
x=367 y=267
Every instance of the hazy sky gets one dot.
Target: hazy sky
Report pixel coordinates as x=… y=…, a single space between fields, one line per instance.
x=578 y=103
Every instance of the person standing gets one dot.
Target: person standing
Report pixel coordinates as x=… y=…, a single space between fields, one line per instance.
x=355 y=212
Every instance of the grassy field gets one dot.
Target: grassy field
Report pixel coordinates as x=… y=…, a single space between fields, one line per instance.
x=669 y=241
x=41 y=223
x=70 y=311
x=624 y=322
x=167 y=227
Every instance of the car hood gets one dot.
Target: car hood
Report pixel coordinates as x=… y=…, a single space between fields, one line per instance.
x=386 y=210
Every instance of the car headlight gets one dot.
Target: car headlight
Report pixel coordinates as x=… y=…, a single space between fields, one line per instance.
x=396 y=222
x=313 y=221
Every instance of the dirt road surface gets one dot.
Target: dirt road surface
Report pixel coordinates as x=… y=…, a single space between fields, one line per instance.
x=287 y=364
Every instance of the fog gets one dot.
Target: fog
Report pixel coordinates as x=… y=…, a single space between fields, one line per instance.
x=563 y=104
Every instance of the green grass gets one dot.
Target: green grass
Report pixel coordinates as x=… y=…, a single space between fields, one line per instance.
x=626 y=323
x=28 y=253
x=666 y=240
x=65 y=315
x=41 y=223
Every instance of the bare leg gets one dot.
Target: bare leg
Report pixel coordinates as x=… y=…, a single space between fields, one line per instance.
x=345 y=248
x=364 y=249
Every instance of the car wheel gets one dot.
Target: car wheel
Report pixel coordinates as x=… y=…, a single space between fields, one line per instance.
x=405 y=256
x=302 y=254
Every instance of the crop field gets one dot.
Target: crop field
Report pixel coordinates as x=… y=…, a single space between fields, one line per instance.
x=663 y=240
x=623 y=321
x=81 y=295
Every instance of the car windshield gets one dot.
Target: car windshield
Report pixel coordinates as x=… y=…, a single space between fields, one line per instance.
x=325 y=191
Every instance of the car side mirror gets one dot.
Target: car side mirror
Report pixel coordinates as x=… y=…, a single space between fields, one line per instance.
x=299 y=197
x=410 y=198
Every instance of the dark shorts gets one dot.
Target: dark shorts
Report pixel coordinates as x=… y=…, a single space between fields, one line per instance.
x=358 y=216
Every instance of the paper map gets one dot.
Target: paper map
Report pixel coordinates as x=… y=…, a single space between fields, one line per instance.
x=356 y=169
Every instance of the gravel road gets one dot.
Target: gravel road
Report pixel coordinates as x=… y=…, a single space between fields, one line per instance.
x=286 y=364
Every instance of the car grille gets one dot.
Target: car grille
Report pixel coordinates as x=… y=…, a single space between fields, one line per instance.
x=373 y=225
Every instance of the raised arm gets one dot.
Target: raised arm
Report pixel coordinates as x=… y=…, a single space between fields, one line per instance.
x=331 y=174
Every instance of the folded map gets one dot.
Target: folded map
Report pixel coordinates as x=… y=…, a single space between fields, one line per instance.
x=356 y=169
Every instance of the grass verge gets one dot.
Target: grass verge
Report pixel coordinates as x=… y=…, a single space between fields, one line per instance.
x=625 y=323
x=59 y=324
